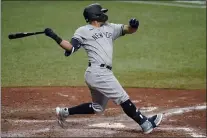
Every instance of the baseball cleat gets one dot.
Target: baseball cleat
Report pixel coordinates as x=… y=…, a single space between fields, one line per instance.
x=147 y=127
x=151 y=123
x=155 y=120
x=62 y=114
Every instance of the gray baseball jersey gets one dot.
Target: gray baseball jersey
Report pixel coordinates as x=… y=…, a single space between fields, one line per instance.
x=98 y=43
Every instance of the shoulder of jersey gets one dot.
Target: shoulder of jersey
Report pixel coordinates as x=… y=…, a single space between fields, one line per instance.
x=88 y=27
x=107 y=24
x=82 y=28
x=85 y=28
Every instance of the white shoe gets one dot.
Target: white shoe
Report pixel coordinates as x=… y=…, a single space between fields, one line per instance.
x=62 y=114
x=147 y=127
x=156 y=120
x=151 y=123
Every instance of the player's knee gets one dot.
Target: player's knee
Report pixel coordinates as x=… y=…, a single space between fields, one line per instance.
x=124 y=97
x=97 y=108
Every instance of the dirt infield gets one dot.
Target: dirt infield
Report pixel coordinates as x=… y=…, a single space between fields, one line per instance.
x=29 y=112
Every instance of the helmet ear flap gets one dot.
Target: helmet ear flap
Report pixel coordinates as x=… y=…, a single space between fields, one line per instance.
x=85 y=14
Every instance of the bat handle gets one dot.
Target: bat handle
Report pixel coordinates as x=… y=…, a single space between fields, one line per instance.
x=42 y=32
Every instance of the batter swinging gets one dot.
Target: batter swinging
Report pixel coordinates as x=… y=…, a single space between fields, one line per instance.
x=97 y=39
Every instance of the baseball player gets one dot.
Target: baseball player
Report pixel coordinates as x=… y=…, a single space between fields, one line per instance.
x=97 y=39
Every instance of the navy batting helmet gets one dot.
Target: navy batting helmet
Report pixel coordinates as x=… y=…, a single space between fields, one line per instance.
x=95 y=12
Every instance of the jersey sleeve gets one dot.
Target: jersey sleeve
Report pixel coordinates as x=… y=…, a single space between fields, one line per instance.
x=76 y=41
x=79 y=35
x=117 y=30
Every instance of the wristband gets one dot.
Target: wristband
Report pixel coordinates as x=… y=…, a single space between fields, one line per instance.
x=57 y=38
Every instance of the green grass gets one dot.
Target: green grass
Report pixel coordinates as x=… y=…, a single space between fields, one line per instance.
x=168 y=51
x=196 y=4
x=181 y=2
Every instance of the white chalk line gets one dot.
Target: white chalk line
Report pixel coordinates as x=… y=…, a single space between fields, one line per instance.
x=177 y=111
x=142 y=109
x=108 y=125
x=148 y=109
x=165 y=4
x=63 y=95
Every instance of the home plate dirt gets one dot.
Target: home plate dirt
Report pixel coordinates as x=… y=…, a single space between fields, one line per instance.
x=30 y=112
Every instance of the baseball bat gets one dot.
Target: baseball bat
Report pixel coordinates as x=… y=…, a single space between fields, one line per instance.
x=23 y=34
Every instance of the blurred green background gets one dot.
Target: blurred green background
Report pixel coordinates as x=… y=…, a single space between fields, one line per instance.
x=168 y=51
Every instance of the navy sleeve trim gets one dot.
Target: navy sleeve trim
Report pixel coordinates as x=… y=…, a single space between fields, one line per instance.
x=122 y=28
x=76 y=45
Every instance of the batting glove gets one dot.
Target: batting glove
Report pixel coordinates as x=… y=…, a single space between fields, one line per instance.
x=49 y=32
x=134 y=23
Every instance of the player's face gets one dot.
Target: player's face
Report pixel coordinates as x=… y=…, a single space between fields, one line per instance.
x=96 y=23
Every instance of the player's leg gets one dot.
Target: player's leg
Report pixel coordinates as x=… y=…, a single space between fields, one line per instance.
x=114 y=91
x=99 y=100
x=63 y=113
x=98 y=104
x=109 y=85
x=147 y=124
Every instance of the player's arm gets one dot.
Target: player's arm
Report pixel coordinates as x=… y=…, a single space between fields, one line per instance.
x=66 y=45
x=129 y=30
x=121 y=29
x=69 y=47
x=132 y=27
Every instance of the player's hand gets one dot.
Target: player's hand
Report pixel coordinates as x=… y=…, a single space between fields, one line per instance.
x=67 y=53
x=49 y=32
x=134 y=23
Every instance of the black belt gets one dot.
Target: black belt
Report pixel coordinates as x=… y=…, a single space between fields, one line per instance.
x=102 y=65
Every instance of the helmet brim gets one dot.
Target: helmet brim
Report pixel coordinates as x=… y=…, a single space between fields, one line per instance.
x=104 y=10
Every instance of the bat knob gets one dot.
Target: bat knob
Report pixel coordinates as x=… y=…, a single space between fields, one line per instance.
x=11 y=36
